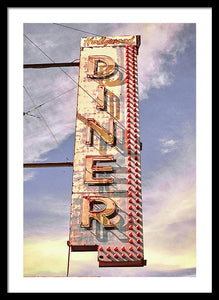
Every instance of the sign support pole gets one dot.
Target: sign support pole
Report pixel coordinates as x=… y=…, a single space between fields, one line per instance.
x=51 y=65
x=69 y=250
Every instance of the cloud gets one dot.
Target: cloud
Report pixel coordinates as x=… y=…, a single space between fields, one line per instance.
x=168 y=145
x=28 y=175
x=160 y=45
x=46 y=215
x=169 y=205
x=55 y=120
x=45 y=256
x=48 y=257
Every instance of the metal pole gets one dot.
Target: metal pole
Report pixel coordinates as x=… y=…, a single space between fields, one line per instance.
x=51 y=65
x=69 y=247
x=48 y=165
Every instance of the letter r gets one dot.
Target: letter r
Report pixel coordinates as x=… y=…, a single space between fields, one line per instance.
x=102 y=216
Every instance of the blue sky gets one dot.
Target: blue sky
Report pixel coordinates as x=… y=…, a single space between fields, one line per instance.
x=167 y=83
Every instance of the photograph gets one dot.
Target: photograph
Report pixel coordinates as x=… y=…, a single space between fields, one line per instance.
x=110 y=141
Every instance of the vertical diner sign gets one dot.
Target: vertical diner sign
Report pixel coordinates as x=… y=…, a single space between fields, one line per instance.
x=106 y=208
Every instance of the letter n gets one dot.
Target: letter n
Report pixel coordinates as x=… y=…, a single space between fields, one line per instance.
x=107 y=136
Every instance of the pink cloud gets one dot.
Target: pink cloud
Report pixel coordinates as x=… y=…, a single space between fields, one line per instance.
x=157 y=39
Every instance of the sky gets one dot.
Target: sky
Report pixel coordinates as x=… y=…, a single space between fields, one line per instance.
x=167 y=93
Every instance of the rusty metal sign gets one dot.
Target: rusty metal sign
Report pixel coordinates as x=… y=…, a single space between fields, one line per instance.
x=106 y=209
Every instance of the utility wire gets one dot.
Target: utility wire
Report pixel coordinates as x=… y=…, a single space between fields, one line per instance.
x=38 y=47
x=43 y=119
x=28 y=114
x=40 y=105
x=77 y=29
x=122 y=68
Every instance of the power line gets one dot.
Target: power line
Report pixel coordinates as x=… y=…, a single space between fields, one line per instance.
x=38 y=47
x=77 y=29
x=28 y=114
x=43 y=119
x=54 y=98
x=122 y=68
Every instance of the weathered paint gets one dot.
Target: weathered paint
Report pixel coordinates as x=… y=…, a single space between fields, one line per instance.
x=106 y=208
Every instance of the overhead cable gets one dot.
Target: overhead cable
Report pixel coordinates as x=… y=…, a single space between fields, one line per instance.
x=43 y=119
x=77 y=29
x=54 y=98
